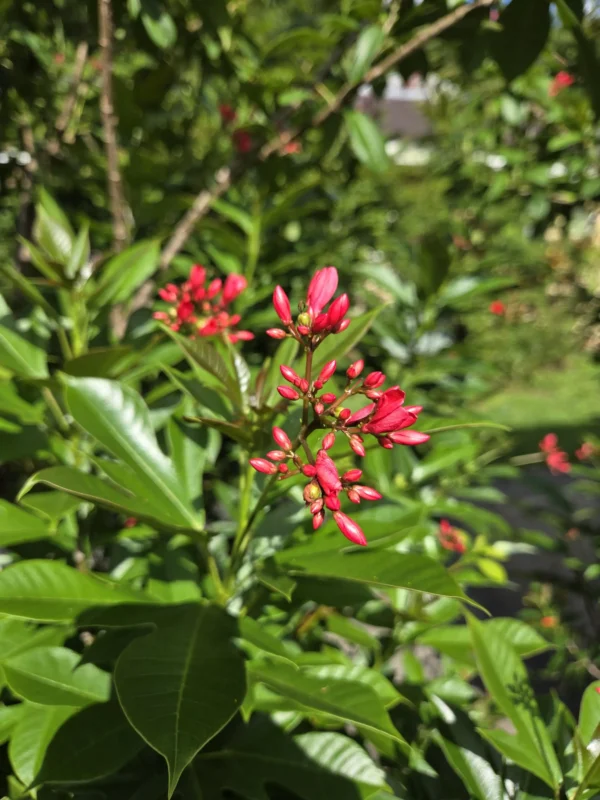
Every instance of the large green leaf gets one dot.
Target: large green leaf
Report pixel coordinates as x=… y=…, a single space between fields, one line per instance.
x=92 y=744
x=158 y=23
x=49 y=591
x=51 y=676
x=17 y=636
x=99 y=362
x=506 y=680
x=254 y=633
x=589 y=713
x=367 y=141
x=366 y=49
x=52 y=230
x=525 y=29
x=374 y=568
x=20 y=356
x=100 y=492
x=52 y=506
x=17 y=526
x=118 y=419
x=123 y=273
x=182 y=683
x=342 y=700
x=33 y=733
x=313 y=766
x=203 y=355
x=187 y=446
x=338 y=344
x=384 y=689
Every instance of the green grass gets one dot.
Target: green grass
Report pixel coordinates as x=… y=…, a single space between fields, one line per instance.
x=563 y=401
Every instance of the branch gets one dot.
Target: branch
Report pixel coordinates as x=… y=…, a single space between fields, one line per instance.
x=62 y=123
x=109 y=124
x=224 y=178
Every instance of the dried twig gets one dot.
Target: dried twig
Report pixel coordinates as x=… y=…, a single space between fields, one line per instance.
x=109 y=124
x=224 y=178
x=64 y=118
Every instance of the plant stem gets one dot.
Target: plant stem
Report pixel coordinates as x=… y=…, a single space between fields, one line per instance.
x=213 y=569
x=246 y=483
x=55 y=409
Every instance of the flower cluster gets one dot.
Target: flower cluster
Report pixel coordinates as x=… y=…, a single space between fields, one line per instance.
x=556 y=459
x=201 y=310
x=497 y=308
x=562 y=80
x=450 y=538
x=587 y=450
x=384 y=417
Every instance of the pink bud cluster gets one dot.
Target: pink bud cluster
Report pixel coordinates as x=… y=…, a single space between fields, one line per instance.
x=385 y=417
x=201 y=310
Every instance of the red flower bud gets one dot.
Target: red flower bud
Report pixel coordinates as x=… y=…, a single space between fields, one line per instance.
x=327 y=474
x=321 y=289
x=227 y=113
x=309 y=470
x=357 y=446
x=326 y=373
x=281 y=303
x=373 y=394
x=169 y=294
x=332 y=501
x=262 y=465
x=283 y=468
x=318 y=520
x=277 y=455
x=352 y=475
x=319 y=408
x=214 y=287
x=290 y=375
x=303 y=385
x=345 y=413
x=276 y=333
x=409 y=437
x=316 y=506
x=288 y=393
x=242 y=141
x=234 y=286
x=329 y=441
x=282 y=439
x=328 y=397
x=374 y=380
x=349 y=528
x=341 y=327
x=337 y=310
x=303 y=330
x=353 y=496
x=355 y=369
x=367 y=493
x=320 y=323
x=386 y=442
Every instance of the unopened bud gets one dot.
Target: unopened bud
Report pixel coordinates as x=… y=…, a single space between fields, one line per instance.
x=318 y=520
x=337 y=310
x=290 y=375
x=262 y=465
x=320 y=323
x=367 y=493
x=328 y=397
x=303 y=330
x=326 y=373
x=332 y=502
x=342 y=326
x=282 y=439
x=374 y=380
x=386 y=442
x=328 y=441
x=316 y=506
x=303 y=385
x=345 y=413
x=277 y=455
x=355 y=369
x=304 y=319
x=357 y=446
x=319 y=408
x=276 y=333
x=352 y=475
x=373 y=394
x=282 y=307
x=283 y=468
x=312 y=492
x=353 y=496
x=309 y=470
x=288 y=393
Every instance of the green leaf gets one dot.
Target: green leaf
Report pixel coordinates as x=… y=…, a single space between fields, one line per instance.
x=384 y=689
x=54 y=506
x=344 y=701
x=20 y=356
x=342 y=626
x=275 y=579
x=92 y=744
x=187 y=446
x=159 y=24
x=17 y=526
x=182 y=683
x=505 y=678
x=49 y=591
x=338 y=344
x=52 y=231
x=125 y=272
x=50 y=676
x=17 y=636
x=367 y=141
x=80 y=252
x=368 y=45
x=101 y=493
x=374 y=568
x=9 y=716
x=589 y=713
x=201 y=353
x=234 y=214
x=99 y=362
x=32 y=734
x=253 y=632
x=118 y=419
x=525 y=28
x=313 y=766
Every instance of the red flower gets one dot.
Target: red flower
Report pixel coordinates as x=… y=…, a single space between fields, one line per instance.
x=557 y=460
x=281 y=303
x=202 y=310
x=549 y=443
x=498 y=308
x=242 y=141
x=349 y=528
x=389 y=415
x=450 y=538
x=327 y=474
x=562 y=80
x=130 y=522
x=321 y=289
x=549 y=622
x=291 y=148
x=227 y=113
x=586 y=450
